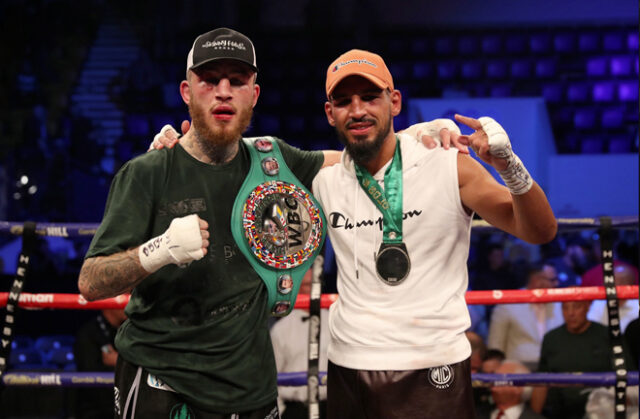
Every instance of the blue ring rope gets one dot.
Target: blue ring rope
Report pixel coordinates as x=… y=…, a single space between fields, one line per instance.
x=105 y=379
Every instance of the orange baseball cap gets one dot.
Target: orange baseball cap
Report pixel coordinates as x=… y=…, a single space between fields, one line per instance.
x=358 y=62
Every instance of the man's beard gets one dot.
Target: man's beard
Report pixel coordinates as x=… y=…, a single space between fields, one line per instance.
x=364 y=151
x=216 y=143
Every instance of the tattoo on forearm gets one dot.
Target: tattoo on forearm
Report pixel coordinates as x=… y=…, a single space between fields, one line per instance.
x=108 y=276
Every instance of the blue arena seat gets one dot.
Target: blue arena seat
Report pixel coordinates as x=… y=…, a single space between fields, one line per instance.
x=445 y=45
x=398 y=47
x=401 y=71
x=520 y=69
x=447 y=70
x=491 y=44
x=137 y=125
x=632 y=41
x=612 y=118
x=578 y=92
x=621 y=65
x=159 y=120
x=60 y=357
x=298 y=96
x=546 y=68
x=46 y=344
x=271 y=98
x=592 y=145
x=419 y=47
x=564 y=42
x=468 y=45
x=622 y=143
x=295 y=123
x=320 y=124
x=268 y=124
x=22 y=342
x=479 y=90
x=603 y=91
x=500 y=90
x=613 y=41
x=496 y=69
x=553 y=92
x=562 y=115
x=27 y=358
x=628 y=91
x=540 y=43
x=171 y=96
x=570 y=143
x=471 y=70
x=422 y=70
x=585 y=118
x=589 y=42
x=516 y=44
x=598 y=66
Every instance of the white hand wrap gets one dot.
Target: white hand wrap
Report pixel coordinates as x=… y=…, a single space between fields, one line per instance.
x=180 y=244
x=432 y=129
x=156 y=139
x=515 y=176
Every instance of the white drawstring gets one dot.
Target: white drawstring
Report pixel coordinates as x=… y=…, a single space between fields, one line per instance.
x=355 y=230
x=133 y=393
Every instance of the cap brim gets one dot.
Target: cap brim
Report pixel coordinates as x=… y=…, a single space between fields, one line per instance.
x=253 y=67
x=373 y=79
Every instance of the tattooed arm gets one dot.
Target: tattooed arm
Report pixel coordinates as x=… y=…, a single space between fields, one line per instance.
x=186 y=240
x=109 y=276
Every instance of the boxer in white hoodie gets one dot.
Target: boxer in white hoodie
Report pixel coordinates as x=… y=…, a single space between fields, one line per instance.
x=399 y=218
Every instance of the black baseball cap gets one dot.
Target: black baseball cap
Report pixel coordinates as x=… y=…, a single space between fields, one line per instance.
x=219 y=44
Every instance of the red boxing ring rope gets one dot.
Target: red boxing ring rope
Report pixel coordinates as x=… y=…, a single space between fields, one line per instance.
x=548 y=295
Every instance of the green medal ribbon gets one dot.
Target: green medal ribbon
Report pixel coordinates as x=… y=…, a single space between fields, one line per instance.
x=392 y=260
x=389 y=200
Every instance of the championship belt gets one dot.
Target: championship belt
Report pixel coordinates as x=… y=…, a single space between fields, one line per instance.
x=277 y=224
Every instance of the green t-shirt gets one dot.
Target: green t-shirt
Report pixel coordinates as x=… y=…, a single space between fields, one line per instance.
x=566 y=352
x=202 y=328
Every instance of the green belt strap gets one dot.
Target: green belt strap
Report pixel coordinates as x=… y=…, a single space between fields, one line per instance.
x=305 y=225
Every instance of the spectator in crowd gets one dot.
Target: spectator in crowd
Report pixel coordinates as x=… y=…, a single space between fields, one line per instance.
x=575 y=260
x=632 y=338
x=579 y=345
x=291 y=350
x=593 y=276
x=478 y=350
x=602 y=400
x=479 y=324
x=94 y=351
x=493 y=271
x=624 y=274
x=518 y=329
x=482 y=395
x=492 y=360
x=511 y=402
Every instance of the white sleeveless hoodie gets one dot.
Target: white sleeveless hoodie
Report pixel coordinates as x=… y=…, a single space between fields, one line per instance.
x=419 y=323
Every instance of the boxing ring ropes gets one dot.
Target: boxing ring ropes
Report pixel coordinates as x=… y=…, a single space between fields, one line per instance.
x=620 y=378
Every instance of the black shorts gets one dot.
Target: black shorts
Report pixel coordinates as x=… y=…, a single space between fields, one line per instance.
x=439 y=392
x=136 y=398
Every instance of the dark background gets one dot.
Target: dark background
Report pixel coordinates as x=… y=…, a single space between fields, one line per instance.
x=87 y=84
